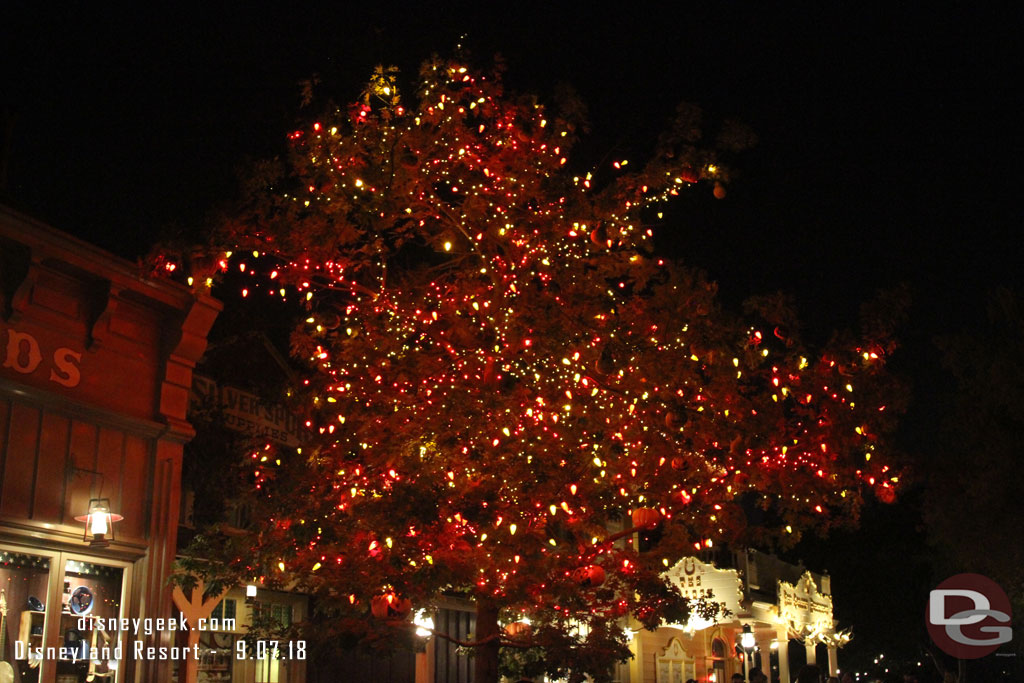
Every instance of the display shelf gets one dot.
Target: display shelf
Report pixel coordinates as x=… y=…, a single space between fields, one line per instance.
x=30 y=620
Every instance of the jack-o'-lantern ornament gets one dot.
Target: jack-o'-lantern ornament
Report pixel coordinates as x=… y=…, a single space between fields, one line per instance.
x=689 y=175
x=390 y=606
x=590 y=576
x=518 y=629
x=646 y=518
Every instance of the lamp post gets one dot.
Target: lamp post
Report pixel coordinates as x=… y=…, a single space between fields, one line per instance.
x=747 y=643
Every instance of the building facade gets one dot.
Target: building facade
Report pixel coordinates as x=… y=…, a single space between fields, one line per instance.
x=95 y=371
x=786 y=609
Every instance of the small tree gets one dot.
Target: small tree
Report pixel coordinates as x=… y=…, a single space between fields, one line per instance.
x=507 y=383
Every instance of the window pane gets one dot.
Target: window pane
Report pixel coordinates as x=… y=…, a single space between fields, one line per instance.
x=23 y=587
x=92 y=592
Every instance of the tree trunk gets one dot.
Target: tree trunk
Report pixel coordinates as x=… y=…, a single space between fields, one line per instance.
x=485 y=667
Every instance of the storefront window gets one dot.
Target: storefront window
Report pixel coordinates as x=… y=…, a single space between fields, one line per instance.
x=217 y=651
x=91 y=596
x=24 y=586
x=54 y=606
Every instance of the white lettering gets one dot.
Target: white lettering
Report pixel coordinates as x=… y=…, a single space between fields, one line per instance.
x=217 y=624
x=140 y=651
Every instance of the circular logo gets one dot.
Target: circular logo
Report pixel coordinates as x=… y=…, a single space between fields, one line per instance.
x=968 y=616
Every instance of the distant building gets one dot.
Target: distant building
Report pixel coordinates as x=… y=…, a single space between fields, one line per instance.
x=95 y=372
x=780 y=602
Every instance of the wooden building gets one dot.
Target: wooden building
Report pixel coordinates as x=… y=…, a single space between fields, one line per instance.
x=95 y=371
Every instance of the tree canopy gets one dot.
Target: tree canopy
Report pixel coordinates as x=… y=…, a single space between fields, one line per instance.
x=506 y=382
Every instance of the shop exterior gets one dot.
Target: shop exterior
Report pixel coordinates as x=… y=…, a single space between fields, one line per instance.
x=95 y=371
x=779 y=602
x=786 y=608
x=225 y=658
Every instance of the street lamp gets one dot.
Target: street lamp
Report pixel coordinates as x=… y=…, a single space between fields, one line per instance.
x=747 y=643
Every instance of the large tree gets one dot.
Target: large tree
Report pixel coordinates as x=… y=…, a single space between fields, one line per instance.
x=503 y=373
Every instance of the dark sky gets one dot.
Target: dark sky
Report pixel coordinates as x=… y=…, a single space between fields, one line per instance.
x=890 y=140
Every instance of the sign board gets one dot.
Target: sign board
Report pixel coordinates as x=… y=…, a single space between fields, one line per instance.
x=697 y=580
x=247 y=413
x=806 y=611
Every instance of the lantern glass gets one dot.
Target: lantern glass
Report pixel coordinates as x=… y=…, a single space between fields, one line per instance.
x=747 y=638
x=424 y=624
x=99 y=523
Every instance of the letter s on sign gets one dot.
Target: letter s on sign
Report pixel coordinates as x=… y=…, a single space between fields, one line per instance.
x=67 y=373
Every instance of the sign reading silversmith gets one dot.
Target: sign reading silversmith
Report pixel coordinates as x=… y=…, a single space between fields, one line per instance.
x=247 y=413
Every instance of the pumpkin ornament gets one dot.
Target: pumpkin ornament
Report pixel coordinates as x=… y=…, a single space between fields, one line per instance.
x=518 y=629
x=886 y=494
x=590 y=576
x=390 y=606
x=689 y=175
x=409 y=161
x=646 y=518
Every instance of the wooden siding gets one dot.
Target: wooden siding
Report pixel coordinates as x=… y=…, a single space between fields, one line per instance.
x=39 y=449
x=449 y=666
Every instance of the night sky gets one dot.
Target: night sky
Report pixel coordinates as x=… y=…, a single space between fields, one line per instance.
x=890 y=141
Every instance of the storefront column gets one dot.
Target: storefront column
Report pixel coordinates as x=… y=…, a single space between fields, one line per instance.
x=423 y=673
x=812 y=655
x=783 y=657
x=833 y=661
x=155 y=595
x=764 y=660
x=636 y=664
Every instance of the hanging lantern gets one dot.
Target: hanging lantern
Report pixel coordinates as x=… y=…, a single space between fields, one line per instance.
x=646 y=518
x=99 y=523
x=590 y=576
x=747 y=638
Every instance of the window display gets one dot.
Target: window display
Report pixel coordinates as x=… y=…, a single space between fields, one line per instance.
x=56 y=605
x=92 y=596
x=24 y=585
x=24 y=581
